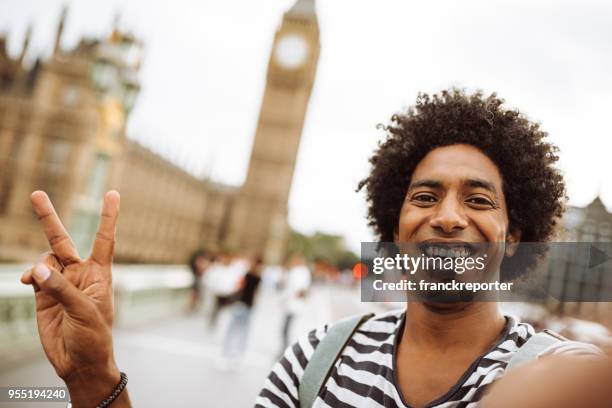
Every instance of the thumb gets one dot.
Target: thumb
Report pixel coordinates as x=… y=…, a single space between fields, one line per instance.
x=54 y=284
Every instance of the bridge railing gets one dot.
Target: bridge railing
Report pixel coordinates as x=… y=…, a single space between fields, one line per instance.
x=143 y=293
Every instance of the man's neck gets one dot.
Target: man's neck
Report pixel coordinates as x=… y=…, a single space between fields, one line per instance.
x=467 y=325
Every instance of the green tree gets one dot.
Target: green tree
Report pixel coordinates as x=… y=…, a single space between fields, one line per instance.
x=319 y=245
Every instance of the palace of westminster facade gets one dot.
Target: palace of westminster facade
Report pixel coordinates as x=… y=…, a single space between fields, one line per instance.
x=63 y=130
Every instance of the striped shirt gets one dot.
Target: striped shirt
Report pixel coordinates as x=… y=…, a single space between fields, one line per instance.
x=364 y=374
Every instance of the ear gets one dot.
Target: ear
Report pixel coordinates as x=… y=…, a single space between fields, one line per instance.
x=512 y=242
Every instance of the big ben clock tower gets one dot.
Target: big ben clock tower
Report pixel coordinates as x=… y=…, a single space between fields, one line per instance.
x=258 y=218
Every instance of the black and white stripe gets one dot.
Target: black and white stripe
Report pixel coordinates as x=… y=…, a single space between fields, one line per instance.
x=363 y=375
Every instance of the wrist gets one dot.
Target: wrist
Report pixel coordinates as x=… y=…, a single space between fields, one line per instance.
x=89 y=387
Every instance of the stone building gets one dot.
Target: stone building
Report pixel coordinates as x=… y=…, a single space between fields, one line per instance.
x=592 y=223
x=62 y=124
x=63 y=130
x=588 y=226
x=166 y=213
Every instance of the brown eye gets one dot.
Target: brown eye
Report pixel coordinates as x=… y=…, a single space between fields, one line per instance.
x=424 y=198
x=480 y=201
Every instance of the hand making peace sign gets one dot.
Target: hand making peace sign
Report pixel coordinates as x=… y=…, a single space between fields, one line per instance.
x=74 y=305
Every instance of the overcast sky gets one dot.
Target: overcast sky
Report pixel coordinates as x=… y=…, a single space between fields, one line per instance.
x=205 y=64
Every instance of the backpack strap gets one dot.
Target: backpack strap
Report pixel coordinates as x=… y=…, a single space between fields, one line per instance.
x=532 y=347
x=326 y=353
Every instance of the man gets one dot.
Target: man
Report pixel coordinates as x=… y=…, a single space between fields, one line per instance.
x=237 y=333
x=222 y=281
x=457 y=168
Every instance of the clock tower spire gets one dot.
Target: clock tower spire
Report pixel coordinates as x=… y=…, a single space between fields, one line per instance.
x=258 y=220
x=303 y=9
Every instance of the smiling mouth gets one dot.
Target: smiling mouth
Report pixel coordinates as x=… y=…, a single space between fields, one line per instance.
x=447 y=250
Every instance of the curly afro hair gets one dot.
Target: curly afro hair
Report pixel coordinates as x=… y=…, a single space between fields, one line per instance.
x=533 y=188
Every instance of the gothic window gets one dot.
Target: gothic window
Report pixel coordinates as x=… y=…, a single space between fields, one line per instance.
x=97 y=179
x=85 y=222
x=9 y=170
x=103 y=75
x=605 y=233
x=6 y=186
x=588 y=232
x=15 y=146
x=5 y=81
x=56 y=156
x=71 y=96
x=54 y=165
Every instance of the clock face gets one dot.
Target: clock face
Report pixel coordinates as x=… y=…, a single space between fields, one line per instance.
x=291 y=51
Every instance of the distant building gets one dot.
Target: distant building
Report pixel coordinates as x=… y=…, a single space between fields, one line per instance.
x=592 y=223
x=569 y=278
x=63 y=130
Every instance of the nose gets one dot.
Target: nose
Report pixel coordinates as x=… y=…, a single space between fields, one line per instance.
x=449 y=216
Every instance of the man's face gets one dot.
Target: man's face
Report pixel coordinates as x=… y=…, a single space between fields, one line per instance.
x=455 y=194
x=455 y=200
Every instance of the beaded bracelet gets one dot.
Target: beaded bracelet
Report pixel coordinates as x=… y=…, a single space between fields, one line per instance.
x=118 y=389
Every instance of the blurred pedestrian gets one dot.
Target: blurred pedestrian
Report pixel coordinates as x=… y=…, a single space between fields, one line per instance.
x=237 y=333
x=198 y=263
x=223 y=282
x=296 y=285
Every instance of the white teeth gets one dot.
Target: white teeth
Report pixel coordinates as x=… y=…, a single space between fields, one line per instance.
x=456 y=252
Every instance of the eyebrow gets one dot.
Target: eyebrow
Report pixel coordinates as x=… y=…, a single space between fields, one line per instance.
x=470 y=182
x=425 y=183
x=480 y=183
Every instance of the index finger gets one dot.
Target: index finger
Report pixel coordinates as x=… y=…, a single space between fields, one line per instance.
x=58 y=238
x=104 y=245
